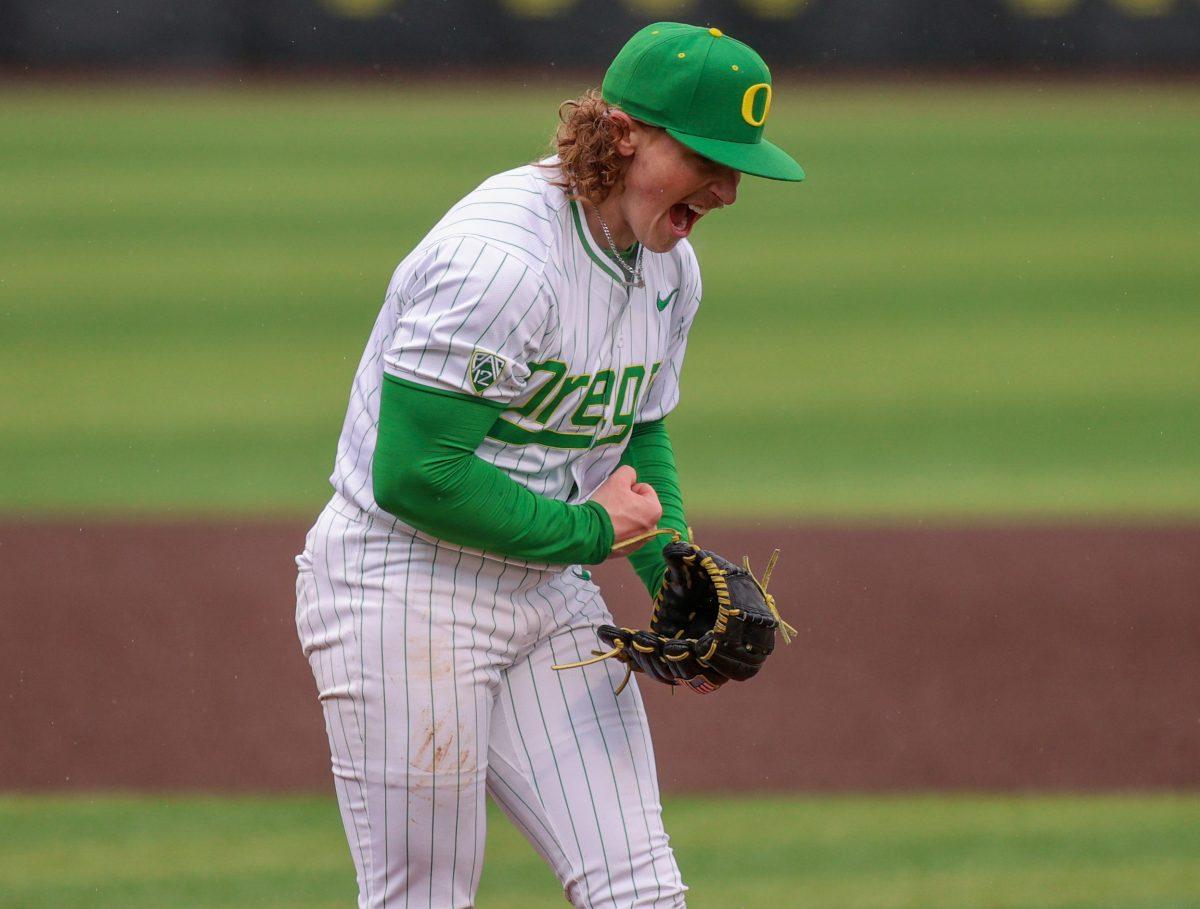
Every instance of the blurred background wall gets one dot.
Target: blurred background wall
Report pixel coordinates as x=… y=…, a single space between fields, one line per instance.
x=434 y=35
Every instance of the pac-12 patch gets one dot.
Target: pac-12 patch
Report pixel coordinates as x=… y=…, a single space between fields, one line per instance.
x=485 y=369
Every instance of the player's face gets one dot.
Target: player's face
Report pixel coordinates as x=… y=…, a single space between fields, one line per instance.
x=668 y=188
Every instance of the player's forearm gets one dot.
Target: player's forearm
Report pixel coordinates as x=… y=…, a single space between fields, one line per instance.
x=426 y=473
x=650 y=453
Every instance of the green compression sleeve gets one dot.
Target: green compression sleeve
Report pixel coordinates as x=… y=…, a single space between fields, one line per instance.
x=649 y=453
x=427 y=474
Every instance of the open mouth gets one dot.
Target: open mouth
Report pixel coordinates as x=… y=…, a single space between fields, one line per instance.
x=683 y=217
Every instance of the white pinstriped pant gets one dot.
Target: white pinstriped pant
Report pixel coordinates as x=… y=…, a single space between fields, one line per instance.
x=433 y=669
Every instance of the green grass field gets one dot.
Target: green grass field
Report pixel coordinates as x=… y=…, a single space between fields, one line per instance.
x=917 y=852
x=983 y=301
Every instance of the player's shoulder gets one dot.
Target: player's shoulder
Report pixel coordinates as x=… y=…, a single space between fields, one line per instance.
x=685 y=256
x=517 y=211
x=683 y=270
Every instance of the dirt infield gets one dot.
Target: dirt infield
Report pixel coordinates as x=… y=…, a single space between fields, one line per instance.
x=164 y=656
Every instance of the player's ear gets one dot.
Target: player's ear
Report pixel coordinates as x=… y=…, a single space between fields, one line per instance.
x=628 y=132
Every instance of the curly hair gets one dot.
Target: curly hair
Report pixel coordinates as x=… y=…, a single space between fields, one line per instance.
x=586 y=144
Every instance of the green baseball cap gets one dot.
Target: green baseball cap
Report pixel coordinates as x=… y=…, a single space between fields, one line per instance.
x=707 y=90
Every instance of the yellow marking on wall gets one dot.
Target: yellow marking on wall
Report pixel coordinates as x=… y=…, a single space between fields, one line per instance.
x=1043 y=9
x=775 y=9
x=537 y=9
x=359 y=9
x=658 y=7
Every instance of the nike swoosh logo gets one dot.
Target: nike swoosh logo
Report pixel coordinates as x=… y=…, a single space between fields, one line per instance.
x=664 y=302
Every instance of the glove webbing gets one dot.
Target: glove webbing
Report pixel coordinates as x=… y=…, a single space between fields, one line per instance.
x=785 y=630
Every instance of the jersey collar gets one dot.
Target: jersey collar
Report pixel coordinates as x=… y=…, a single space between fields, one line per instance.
x=602 y=258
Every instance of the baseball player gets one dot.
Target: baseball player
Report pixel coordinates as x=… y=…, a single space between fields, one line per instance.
x=505 y=430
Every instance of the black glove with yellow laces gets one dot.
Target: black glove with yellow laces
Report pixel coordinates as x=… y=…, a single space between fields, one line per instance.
x=713 y=622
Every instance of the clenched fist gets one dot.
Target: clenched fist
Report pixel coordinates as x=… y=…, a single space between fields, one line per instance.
x=632 y=507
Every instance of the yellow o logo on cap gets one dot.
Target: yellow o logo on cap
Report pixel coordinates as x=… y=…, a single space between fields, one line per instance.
x=748 y=100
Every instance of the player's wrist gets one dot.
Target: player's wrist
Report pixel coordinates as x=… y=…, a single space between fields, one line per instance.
x=604 y=533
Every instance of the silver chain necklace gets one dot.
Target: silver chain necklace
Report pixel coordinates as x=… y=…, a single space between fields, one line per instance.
x=634 y=271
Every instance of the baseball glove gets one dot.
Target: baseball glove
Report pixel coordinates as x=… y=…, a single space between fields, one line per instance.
x=713 y=622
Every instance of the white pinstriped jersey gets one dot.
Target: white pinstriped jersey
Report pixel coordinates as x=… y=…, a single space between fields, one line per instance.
x=509 y=298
